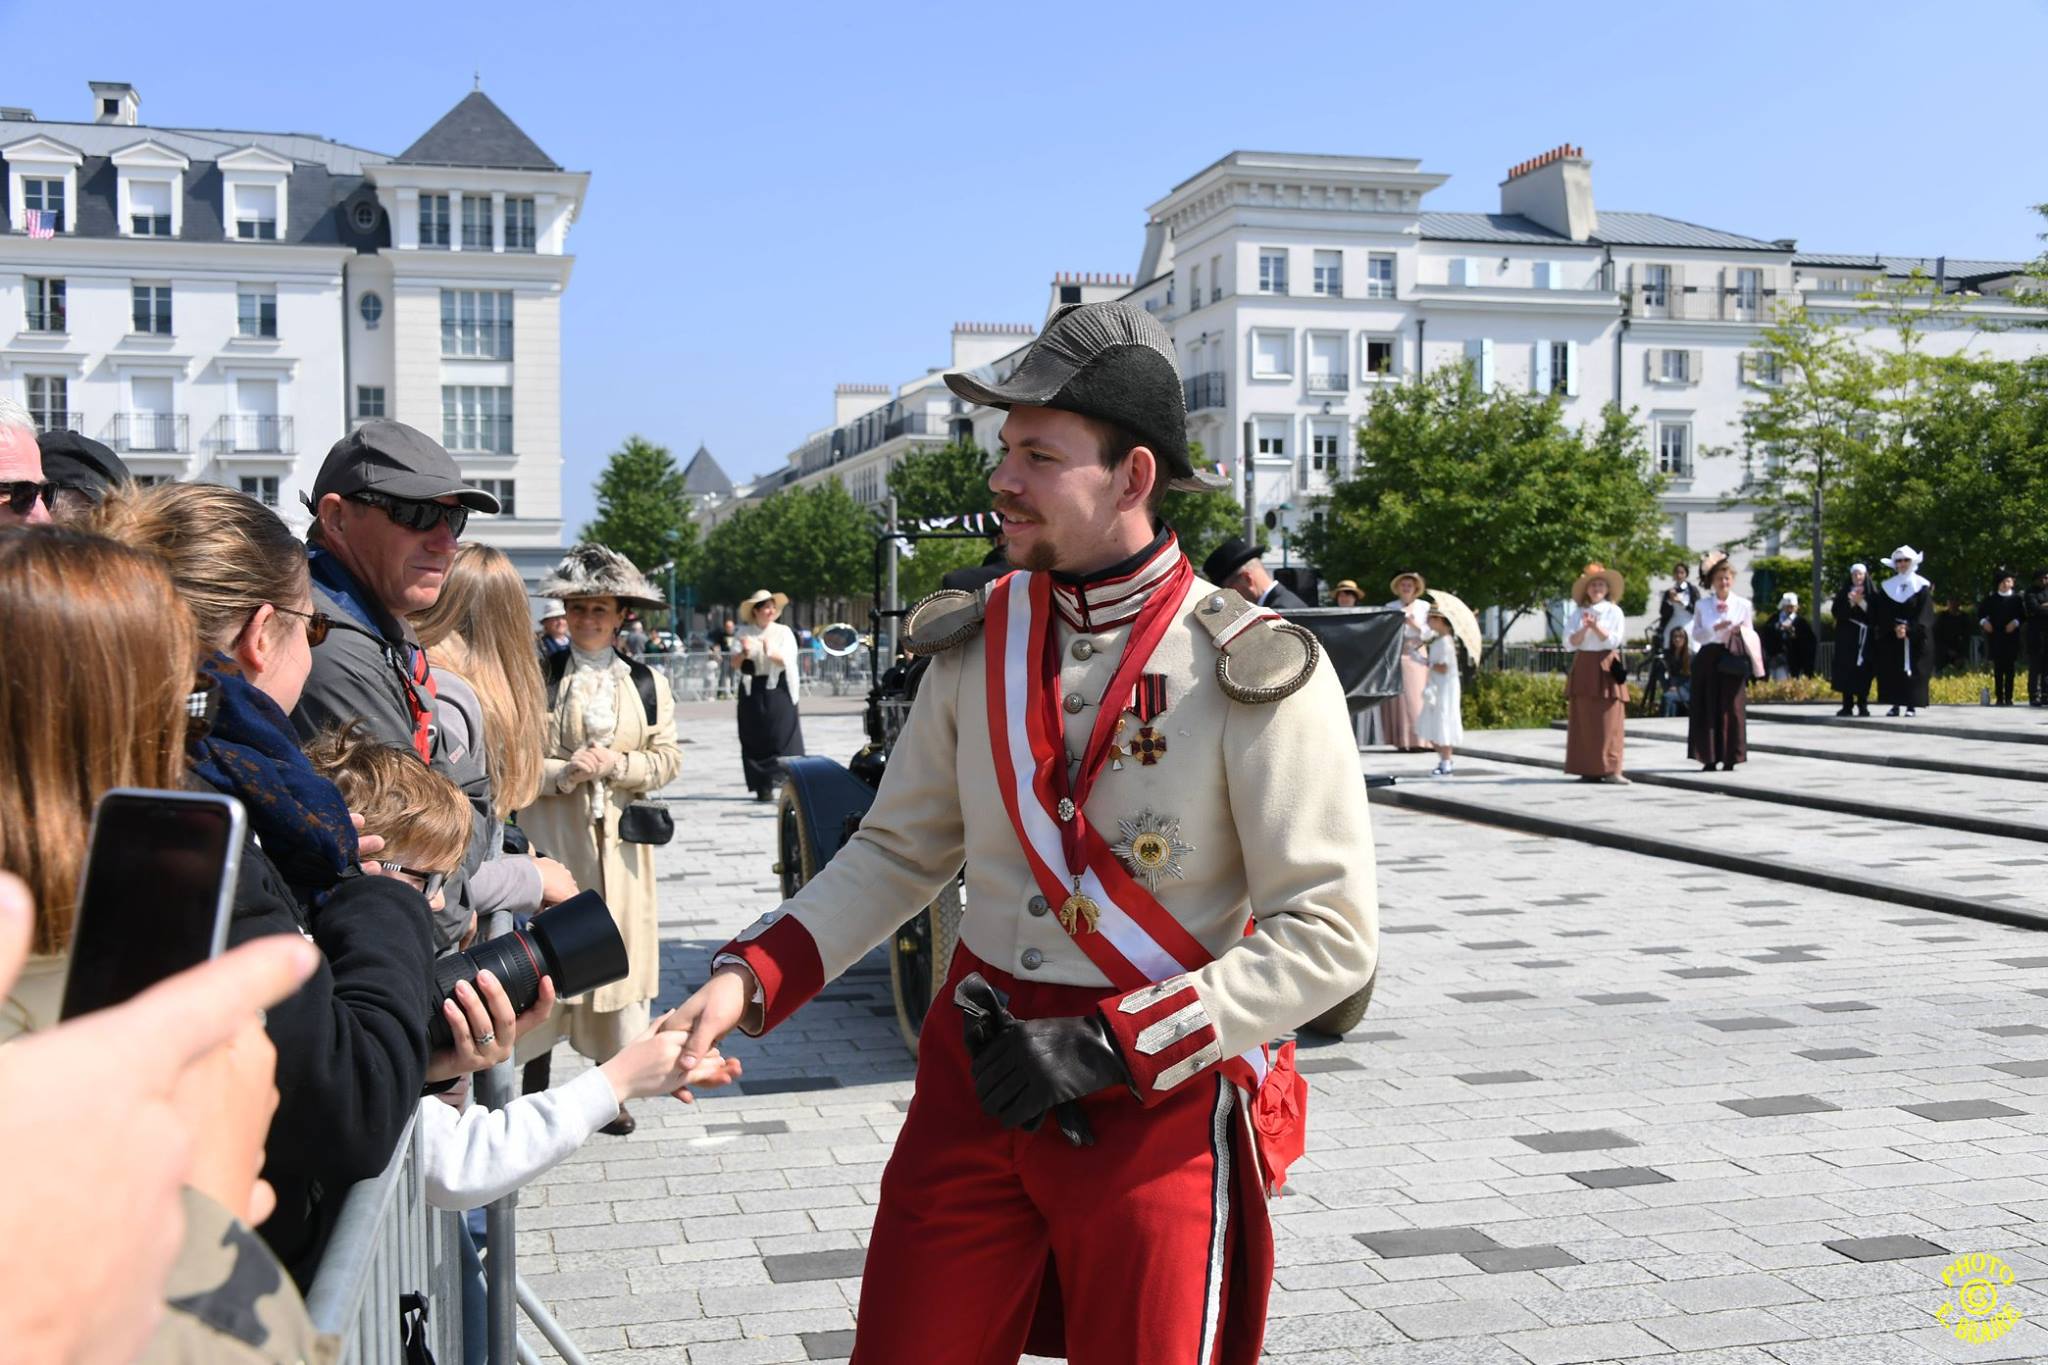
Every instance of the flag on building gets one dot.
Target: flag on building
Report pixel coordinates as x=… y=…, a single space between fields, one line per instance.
x=39 y=222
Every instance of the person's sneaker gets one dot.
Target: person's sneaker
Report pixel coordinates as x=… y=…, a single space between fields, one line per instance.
x=1912 y=711
x=1616 y=780
x=1893 y=712
x=1439 y=770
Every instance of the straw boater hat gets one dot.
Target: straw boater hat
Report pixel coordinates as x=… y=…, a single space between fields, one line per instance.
x=1601 y=571
x=1421 y=584
x=1349 y=585
x=781 y=600
x=596 y=571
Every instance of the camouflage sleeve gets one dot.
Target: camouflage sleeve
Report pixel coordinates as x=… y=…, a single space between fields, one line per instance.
x=229 y=1302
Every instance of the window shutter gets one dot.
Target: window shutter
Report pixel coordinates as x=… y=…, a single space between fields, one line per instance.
x=1695 y=362
x=1571 y=369
x=1677 y=304
x=1539 y=368
x=1649 y=364
x=1746 y=367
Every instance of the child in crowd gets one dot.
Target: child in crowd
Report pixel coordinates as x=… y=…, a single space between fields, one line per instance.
x=1441 y=725
x=473 y=1155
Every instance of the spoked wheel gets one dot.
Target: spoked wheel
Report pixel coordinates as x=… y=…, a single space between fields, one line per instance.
x=797 y=855
x=1341 y=1018
x=921 y=954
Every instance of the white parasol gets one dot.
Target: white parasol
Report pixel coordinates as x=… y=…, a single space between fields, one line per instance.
x=1464 y=624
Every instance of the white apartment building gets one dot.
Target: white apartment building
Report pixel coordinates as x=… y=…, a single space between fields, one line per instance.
x=1295 y=285
x=225 y=305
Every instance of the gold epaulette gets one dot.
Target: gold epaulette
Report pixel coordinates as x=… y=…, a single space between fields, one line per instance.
x=1260 y=658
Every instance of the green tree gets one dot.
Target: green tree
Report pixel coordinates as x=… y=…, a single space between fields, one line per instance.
x=1964 y=476
x=808 y=542
x=1491 y=496
x=943 y=481
x=642 y=511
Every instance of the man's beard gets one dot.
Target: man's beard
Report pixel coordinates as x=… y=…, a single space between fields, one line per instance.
x=1040 y=558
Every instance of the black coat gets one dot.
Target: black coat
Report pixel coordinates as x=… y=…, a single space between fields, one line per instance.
x=351 y=1043
x=1999 y=611
x=2036 y=602
x=1895 y=685
x=1281 y=599
x=1854 y=656
x=1792 y=643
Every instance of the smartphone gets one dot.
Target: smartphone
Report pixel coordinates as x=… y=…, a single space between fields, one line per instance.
x=158 y=888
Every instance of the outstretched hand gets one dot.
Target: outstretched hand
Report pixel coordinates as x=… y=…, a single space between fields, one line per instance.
x=706 y=1018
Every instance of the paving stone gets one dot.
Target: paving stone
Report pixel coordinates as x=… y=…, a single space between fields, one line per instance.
x=760 y=1129
x=788 y=1085
x=1893 y=1248
x=2014 y=1030
x=1954 y=1111
x=1704 y=973
x=1505 y=1259
x=1770 y=1105
x=815 y=1265
x=1618 y=1177
x=1403 y=1242
x=1495 y=1077
x=826 y=1345
x=1749 y=1024
x=1583 y=1140
x=2026 y=1070
x=1841 y=1006
x=1577 y=1345
x=1833 y=1054
x=1625 y=998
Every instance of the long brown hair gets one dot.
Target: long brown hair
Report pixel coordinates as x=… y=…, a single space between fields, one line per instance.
x=227 y=552
x=98 y=660
x=481 y=630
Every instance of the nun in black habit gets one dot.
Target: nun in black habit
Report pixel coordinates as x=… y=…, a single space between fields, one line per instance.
x=1854 y=657
x=1902 y=630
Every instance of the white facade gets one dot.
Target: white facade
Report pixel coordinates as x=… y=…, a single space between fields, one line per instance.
x=225 y=306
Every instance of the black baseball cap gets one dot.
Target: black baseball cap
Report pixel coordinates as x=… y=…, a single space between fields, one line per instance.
x=74 y=461
x=398 y=461
x=1111 y=361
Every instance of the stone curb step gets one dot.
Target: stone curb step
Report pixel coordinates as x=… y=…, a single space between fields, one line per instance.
x=1702 y=782
x=1437 y=798
x=1918 y=725
x=1957 y=767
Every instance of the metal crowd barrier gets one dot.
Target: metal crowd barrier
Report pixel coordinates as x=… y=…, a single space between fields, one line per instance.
x=393 y=1262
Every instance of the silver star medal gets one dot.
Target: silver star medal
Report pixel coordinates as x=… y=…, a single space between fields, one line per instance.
x=1151 y=848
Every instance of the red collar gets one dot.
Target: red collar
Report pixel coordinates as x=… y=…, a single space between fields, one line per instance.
x=1102 y=603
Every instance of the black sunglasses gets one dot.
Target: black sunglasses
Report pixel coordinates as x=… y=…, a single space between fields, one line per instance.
x=22 y=495
x=318 y=623
x=414 y=514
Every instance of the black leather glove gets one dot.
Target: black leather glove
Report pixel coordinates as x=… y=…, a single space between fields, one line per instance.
x=1036 y=1064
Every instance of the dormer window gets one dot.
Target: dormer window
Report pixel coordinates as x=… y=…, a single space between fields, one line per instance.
x=255 y=191
x=255 y=210
x=42 y=186
x=149 y=208
x=45 y=198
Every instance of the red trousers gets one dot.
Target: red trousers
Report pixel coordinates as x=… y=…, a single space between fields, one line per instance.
x=1150 y=1246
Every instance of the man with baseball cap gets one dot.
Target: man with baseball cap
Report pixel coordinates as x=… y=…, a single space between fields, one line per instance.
x=389 y=506
x=1164 y=871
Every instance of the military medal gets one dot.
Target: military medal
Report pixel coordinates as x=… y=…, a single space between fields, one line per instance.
x=1151 y=848
x=1078 y=914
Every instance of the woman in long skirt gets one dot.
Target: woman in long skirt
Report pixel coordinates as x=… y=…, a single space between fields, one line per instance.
x=767 y=658
x=1854 y=656
x=1726 y=655
x=1596 y=701
x=1399 y=714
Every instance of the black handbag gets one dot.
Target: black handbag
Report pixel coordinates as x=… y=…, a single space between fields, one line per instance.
x=1734 y=661
x=1618 y=668
x=646 y=822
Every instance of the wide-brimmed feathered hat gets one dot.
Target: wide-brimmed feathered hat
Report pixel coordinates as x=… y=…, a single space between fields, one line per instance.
x=1612 y=577
x=599 y=571
x=760 y=595
x=1713 y=561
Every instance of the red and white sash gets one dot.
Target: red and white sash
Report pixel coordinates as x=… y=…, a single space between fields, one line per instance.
x=1136 y=941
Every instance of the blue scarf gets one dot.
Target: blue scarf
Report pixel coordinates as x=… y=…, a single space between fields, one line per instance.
x=252 y=753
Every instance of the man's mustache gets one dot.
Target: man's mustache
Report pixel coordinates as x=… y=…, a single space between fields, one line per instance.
x=1010 y=507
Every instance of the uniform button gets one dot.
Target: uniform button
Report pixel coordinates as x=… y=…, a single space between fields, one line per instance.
x=1073 y=703
x=1037 y=905
x=1032 y=959
x=1214 y=604
x=1084 y=649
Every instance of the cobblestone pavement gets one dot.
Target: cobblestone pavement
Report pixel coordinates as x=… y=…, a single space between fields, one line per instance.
x=1605 y=1107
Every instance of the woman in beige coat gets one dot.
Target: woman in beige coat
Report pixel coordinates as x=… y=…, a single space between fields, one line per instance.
x=603 y=754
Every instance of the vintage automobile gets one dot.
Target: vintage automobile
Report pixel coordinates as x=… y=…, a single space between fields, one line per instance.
x=821 y=803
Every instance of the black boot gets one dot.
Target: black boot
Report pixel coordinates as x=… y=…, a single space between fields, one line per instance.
x=533 y=1078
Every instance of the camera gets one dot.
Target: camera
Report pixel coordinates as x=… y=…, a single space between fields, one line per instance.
x=576 y=943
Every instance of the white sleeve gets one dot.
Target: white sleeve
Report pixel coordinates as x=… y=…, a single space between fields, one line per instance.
x=473 y=1157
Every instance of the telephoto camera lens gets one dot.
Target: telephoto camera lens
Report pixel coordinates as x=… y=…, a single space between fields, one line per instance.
x=575 y=942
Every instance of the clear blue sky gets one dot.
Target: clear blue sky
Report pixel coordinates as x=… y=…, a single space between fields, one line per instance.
x=788 y=196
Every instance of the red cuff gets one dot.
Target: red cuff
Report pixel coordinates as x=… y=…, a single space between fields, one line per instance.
x=784 y=959
x=1165 y=1035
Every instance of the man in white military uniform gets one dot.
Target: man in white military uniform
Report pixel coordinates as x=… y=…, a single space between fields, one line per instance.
x=1169 y=863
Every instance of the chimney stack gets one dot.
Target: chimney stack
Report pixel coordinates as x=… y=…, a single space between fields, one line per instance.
x=115 y=102
x=1554 y=190
x=856 y=400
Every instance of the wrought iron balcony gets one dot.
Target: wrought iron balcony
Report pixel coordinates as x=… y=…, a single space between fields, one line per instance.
x=1328 y=381
x=133 y=432
x=1206 y=390
x=244 y=433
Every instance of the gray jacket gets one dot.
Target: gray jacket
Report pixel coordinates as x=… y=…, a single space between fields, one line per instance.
x=361 y=675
